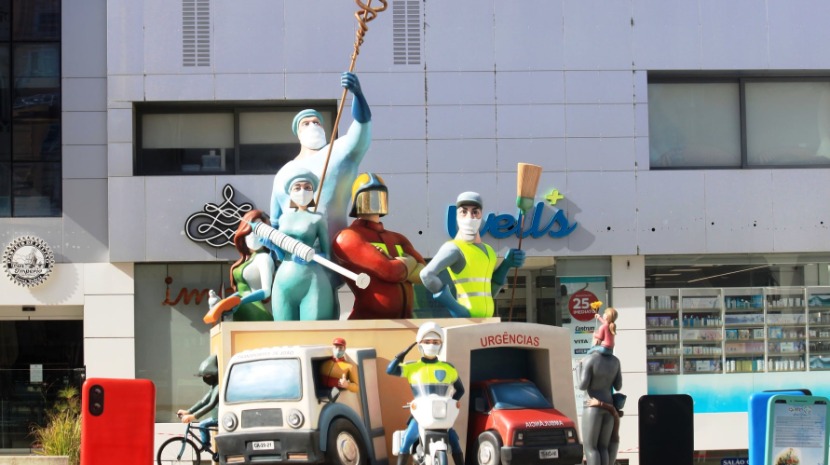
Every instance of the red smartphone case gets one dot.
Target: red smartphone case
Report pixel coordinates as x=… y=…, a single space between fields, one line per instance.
x=117 y=421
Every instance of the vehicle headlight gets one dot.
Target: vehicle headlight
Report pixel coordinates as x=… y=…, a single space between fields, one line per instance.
x=571 y=435
x=229 y=421
x=295 y=418
x=439 y=409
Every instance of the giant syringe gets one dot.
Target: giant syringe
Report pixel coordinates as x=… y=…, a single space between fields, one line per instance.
x=295 y=247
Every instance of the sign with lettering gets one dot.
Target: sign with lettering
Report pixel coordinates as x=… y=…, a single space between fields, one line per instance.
x=579 y=305
x=537 y=224
x=28 y=261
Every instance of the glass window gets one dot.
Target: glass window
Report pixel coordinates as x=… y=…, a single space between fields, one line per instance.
x=187 y=142
x=36 y=20
x=36 y=189
x=30 y=108
x=694 y=125
x=265 y=140
x=171 y=340
x=788 y=123
x=264 y=380
x=176 y=140
x=5 y=19
x=739 y=122
x=720 y=271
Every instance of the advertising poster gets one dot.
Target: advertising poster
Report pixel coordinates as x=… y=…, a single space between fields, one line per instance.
x=578 y=293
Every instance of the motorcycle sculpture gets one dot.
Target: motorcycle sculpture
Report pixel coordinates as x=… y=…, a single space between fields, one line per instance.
x=435 y=411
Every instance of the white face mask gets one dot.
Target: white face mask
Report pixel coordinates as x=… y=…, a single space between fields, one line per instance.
x=301 y=197
x=312 y=137
x=430 y=350
x=339 y=352
x=468 y=227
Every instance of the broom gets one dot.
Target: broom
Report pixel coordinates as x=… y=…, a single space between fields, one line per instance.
x=526 y=182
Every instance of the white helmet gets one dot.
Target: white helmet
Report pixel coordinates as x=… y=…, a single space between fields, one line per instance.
x=429 y=330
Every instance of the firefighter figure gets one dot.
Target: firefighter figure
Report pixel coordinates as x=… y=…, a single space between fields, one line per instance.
x=471 y=264
x=386 y=256
x=432 y=373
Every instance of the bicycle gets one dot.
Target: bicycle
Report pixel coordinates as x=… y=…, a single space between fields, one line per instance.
x=184 y=449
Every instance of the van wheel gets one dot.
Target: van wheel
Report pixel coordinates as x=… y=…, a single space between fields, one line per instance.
x=488 y=450
x=345 y=445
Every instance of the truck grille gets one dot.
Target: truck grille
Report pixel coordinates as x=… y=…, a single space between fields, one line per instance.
x=261 y=417
x=542 y=437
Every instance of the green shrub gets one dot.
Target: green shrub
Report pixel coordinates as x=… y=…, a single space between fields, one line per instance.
x=62 y=433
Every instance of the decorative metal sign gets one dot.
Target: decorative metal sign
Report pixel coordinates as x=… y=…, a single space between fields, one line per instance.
x=215 y=225
x=28 y=261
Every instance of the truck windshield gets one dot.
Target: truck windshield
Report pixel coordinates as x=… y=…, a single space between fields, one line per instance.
x=259 y=380
x=518 y=395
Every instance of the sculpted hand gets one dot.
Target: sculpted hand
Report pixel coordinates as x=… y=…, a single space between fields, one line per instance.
x=350 y=81
x=515 y=258
x=409 y=262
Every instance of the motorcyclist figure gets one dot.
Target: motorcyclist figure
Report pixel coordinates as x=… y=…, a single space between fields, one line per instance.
x=431 y=373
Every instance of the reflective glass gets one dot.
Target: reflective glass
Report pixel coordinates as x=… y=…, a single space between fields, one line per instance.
x=36 y=189
x=788 y=123
x=694 y=125
x=5 y=104
x=36 y=20
x=5 y=190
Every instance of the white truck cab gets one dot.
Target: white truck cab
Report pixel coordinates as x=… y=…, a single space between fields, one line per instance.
x=274 y=408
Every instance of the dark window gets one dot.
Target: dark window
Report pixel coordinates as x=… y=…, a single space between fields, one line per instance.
x=30 y=108
x=205 y=139
x=739 y=122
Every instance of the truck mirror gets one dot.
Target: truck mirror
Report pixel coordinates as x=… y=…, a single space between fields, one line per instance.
x=479 y=405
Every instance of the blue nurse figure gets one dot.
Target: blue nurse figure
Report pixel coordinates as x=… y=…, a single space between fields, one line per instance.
x=302 y=290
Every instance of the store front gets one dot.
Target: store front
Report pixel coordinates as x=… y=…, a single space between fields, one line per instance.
x=38 y=358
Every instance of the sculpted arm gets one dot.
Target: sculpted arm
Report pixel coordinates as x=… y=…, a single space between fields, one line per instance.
x=447 y=256
x=360 y=255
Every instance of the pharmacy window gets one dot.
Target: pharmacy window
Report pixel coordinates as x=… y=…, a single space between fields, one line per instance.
x=739 y=122
x=201 y=139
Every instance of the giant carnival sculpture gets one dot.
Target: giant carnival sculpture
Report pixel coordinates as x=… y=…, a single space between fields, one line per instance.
x=312 y=249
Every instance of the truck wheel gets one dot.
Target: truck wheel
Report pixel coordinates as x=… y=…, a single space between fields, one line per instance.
x=345 y=445
x=488 y=450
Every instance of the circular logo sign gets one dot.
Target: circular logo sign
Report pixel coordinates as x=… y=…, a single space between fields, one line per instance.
x=28 y=261
x=580 y=305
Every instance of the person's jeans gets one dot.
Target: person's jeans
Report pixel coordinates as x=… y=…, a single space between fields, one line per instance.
x=205 y=432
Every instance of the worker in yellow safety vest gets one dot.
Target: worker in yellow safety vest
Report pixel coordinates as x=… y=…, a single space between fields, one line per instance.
x=469 y=265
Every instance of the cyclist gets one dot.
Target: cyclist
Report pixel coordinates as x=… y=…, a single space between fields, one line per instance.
x=209 y=371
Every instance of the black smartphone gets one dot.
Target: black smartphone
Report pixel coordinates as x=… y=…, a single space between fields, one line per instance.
x=666 y=427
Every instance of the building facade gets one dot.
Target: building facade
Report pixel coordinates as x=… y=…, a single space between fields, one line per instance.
x=684 y=145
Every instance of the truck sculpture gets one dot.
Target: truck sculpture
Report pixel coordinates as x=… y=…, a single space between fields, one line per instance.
x=275 y=410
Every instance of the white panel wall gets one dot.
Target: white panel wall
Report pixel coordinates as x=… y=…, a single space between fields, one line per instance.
x=563 y=85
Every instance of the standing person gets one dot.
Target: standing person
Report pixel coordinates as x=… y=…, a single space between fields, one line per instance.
x=600 y=375
x=302 y=290
x=337 y=372
x=471 y=264
x=251 y=277
x=346 y=155
x=432 y=373
x=209 y=371
x=605 y=335
x=387 y=257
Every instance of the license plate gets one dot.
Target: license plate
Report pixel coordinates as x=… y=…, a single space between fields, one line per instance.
x=262 y=445
x=549 y=454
